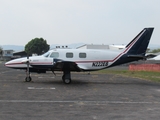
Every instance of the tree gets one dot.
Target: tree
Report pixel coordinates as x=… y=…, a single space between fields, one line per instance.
x=36 y=45
x=1 y=51
x=155 y=51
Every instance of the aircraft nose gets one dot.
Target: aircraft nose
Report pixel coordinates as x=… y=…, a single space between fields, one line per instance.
x=12 y=63
x=7 y=64
x=16 y=63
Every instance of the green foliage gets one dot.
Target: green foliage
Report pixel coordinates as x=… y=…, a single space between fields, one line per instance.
x=146 y=75
x=37 y=45
x=1 y=50
x=155 y=51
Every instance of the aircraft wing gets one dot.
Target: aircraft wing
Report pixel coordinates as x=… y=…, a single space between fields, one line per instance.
x=69 y=65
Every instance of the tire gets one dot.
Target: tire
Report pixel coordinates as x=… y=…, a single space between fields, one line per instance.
x=28 y=79
x=67 y=81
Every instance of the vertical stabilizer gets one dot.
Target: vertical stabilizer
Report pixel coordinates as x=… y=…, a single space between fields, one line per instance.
x=140 y=43
x=136 y=49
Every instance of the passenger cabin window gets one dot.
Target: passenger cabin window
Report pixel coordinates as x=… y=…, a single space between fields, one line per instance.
x=69 y=55
x=82 y=55
x=54 y=55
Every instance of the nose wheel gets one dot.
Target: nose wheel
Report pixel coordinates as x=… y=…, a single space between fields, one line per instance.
x=28 y=79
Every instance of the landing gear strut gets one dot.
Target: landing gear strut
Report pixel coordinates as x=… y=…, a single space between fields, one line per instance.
x=28 y=77
x=66 y=77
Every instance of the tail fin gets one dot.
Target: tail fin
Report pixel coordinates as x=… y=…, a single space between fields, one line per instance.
x=136 y=49
x=139 y=44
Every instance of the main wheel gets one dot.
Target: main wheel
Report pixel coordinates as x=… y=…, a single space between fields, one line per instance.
x=67 y=81
x=28 y=79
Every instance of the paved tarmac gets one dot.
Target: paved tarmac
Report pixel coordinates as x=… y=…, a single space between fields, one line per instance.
x=88 y=97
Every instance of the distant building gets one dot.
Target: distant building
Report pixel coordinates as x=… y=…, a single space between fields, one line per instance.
x=91 y=46
x=10 y=54
x=19 y=54
x=62 y=47
x=7 y=54
x=116 y=47
x=111 y=47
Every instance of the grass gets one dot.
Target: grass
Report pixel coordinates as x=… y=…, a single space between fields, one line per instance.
x=147 y=75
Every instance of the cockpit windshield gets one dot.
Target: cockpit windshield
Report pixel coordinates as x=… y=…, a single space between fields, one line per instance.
x=46 y=54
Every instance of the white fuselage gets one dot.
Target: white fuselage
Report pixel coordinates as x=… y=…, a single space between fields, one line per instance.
x=86 y=59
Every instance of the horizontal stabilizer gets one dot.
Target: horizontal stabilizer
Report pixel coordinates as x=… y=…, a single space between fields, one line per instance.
x=136 y=56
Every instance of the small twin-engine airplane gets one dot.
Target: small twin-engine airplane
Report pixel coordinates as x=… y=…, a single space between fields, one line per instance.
x=68 y=60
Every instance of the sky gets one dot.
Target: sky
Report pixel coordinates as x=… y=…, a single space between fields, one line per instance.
x=77 y=21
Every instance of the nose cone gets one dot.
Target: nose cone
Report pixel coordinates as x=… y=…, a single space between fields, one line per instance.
x=11 y=64
x=17 y=63
x=8 y=64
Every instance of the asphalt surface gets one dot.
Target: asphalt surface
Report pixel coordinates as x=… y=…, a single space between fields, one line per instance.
x=88 y=97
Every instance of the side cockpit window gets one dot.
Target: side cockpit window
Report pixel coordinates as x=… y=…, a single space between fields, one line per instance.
x=46 y=54
x=54 y=55
x=82 y=55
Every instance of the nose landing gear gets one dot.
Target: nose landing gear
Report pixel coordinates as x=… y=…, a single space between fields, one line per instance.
x=28 y=77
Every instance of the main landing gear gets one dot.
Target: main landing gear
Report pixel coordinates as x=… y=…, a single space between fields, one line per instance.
x=66 y=77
